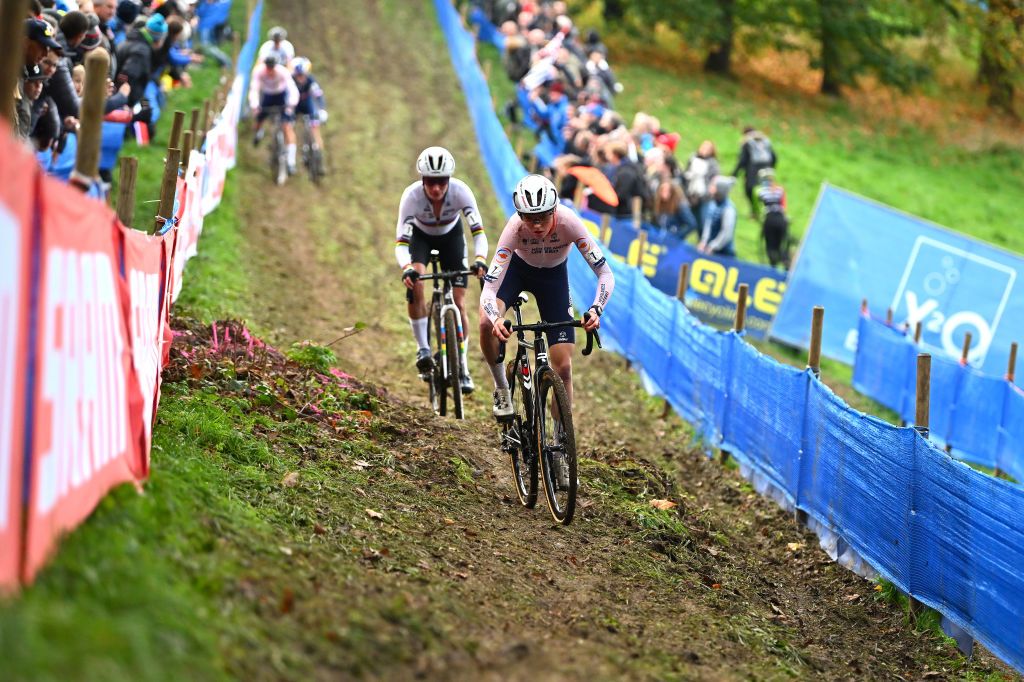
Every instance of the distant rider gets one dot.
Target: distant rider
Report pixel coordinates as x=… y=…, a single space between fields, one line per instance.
x=272 y=86
x=311 y=98
x=428 y=218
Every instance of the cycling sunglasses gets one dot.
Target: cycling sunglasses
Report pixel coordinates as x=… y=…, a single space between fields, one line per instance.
x=435 y=182
x=535 y=218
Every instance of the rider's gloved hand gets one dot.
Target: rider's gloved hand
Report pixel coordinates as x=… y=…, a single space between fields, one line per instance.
x=479 y=267
x=502 y=329
x=409 y=277
x=322 y=114
x=289 y=111
x=592 y=318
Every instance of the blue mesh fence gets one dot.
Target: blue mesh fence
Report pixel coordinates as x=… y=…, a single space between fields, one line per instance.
x=948 y=535
x=970 y=411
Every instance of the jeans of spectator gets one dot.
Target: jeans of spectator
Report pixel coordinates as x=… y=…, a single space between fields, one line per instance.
x=212 y=51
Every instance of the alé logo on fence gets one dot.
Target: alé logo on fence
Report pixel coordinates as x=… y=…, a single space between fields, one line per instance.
x=714 y=279
x=952 y=292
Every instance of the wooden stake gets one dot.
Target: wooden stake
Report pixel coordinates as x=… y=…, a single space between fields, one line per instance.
x=90 y=115
x=126 y=190
x=924 y=383
x=1011 y=367
x=12 y=34
x=966 y=350
x=741 y=309
x=167 y=187
x=638 y=209
x=606 y=229
x=577 y=196
x=684 y=281
x=917 y=332
x=194 y=123
x=863 y=306
x=174 y=141
x=888 y=317
x=814 y=356
x=186 y=147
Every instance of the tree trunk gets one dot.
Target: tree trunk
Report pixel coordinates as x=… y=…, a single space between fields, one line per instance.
x=614 y=10
x=719 y=58
x=996 y=64
x=831 y=55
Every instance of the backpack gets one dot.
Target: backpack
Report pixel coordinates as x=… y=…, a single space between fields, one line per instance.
x=760 y=152
x=697 y=178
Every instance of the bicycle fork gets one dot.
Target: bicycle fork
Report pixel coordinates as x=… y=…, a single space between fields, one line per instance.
x=444 y=335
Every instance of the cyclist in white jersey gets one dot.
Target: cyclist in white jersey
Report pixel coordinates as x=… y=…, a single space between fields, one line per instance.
x=278 y=46
x=272 y=87
x=428 y=218
x=531 y=256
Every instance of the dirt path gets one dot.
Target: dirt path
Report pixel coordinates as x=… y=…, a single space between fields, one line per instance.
x=729 y=590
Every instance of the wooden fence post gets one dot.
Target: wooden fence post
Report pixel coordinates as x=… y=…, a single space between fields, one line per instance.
x=917 y=332
x=126 y=190
x=684 y=282
x=167 y=187
x=637 y=209
x=12 y=33
x=606 y=229
x=193 y=123
x=888 y=317
x=87 y=159
x=921 y=417
x=204 y=126
x=741 y=309
x=577 y=196
x=963 y=361
x=1011 y=366
x=814 y=355
x=186 y=147
x=738 y=325
x=174 y=141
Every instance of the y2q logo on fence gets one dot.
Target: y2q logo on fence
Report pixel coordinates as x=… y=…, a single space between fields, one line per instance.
x=953 y=292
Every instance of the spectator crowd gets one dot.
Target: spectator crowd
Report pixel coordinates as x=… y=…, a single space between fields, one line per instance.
x=565 y=95
x=151 y=44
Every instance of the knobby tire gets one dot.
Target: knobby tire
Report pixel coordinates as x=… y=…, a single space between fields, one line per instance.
x=452 y=354
x=438 y=396
x=521 y=454
x=561 y=502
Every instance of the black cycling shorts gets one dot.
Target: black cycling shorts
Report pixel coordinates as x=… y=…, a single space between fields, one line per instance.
x=550 y=289
x=451 y=246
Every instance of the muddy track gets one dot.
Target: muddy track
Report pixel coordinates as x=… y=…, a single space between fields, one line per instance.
x=741 y=594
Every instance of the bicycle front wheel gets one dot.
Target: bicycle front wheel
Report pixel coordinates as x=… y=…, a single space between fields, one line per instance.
x=438 y=396
x=451 y=343
x=556 y=443
x=517 y=434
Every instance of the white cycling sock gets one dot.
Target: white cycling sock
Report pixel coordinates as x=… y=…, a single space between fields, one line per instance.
x=419 y=331
x=498 y=372
x=291 y=154
x=465 y=360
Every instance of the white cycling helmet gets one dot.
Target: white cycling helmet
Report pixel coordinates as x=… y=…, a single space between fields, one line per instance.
x=435 y=162
x=277 y=34
x=535 y=194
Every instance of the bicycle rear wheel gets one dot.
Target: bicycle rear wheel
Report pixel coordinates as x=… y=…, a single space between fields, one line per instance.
x=517 y=434
x=556 y=443
x=451 y=342
x=316 y=164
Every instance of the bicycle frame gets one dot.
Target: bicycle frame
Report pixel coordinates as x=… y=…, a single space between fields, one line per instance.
x=444 y=299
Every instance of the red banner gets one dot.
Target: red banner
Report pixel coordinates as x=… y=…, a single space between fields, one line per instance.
x=144 y=261
x=19 y=177
x=85 y=387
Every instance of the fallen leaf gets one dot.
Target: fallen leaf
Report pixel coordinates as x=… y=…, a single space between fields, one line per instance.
x=318 y=529
x=290 y=480
x=794 y=546
x=287 y=601
x=360 y=464
x=851 y=597
x=662 y=504
x=716 y=586
x=462 y=576
x=450 y=522
x=373 y=514
x=287 y=551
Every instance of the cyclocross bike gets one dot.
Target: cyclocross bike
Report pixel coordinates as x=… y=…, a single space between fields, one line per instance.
x=445 y=336
x=542 y=420
x=277 y=149
x=312 y=155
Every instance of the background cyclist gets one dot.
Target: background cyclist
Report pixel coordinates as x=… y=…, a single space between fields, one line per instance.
x=311 y=98
x=531 y=256
x=277 y=45
x=272 y=86
x=428 y=218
